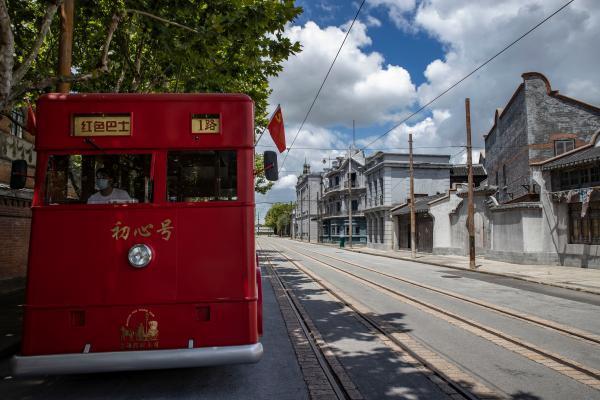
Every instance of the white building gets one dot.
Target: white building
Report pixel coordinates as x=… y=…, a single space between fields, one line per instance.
x=388 y=185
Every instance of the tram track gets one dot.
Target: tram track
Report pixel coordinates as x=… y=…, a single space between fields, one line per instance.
x=577 y=371
x=455 y=382
x=339 y=383
x=578 y=334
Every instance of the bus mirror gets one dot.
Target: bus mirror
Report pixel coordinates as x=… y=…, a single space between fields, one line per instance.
x=270 y=164
x=18 y=174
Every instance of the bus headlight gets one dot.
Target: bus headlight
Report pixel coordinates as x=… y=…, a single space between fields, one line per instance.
x=139 y=255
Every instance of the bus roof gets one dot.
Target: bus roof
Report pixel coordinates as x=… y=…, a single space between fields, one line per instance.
x=144 y=121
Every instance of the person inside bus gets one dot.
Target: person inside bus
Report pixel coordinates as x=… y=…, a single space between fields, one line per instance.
x=106 y=192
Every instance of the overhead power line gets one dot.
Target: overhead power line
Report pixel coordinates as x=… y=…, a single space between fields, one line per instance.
x=322 y=84
x=469 y=74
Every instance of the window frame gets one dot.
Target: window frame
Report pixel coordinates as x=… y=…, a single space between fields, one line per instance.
x=236 y=152
x=581 y=230
x=564 y=143
x=44 y=160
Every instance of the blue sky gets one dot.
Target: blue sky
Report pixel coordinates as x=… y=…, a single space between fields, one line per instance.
x=402 y=53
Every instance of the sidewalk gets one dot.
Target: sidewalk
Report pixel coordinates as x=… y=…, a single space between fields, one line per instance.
x=582 y=279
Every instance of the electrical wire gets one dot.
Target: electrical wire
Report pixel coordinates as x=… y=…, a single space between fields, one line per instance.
x=322 y=85
x=469 y=74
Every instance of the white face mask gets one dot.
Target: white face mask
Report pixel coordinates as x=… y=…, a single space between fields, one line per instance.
x=101 y=183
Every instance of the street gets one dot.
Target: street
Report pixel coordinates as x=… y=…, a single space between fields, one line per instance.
x=340 y=324
x=546 y=348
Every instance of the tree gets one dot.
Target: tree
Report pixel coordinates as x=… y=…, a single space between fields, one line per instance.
x=278 y=217
x=146 y=46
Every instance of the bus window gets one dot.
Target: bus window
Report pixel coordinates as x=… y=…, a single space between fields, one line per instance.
x=71 y=179
x=202 y=176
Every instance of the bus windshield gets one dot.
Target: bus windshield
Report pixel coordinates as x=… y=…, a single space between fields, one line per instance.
x=202 y=176
x=98 y=179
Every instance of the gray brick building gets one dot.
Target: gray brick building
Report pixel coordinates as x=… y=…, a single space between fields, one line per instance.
x=536 y=124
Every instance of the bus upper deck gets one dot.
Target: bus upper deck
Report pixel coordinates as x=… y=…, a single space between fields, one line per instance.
x=142 y=241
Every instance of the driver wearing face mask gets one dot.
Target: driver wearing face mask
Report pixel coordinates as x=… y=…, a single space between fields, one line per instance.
x=107 y=194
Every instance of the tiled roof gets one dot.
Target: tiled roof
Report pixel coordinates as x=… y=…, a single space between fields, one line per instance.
x=462 y=170
x=421 y=205
x=585 y=156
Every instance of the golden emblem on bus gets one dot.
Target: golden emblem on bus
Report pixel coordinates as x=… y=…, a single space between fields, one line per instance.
x=206 y=124
x=140 y=331
x=102 y=125
x=120 y=231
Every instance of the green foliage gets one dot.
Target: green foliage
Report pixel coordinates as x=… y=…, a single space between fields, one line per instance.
x=238 y=46
x=279 y=216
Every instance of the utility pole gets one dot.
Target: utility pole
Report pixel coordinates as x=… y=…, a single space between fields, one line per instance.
x=413 y=227
x=309 y=202
x=65 y=46
x=350 y=195
x=470 y=208
x=319 y=233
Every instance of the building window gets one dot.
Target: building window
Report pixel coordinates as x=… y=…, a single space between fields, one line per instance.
x=338 y=207
x=563 y=145
x=354 y=205
x=578 y=178
x=337 y=181
x=504 y=175
x=497 y=180
x=584 y=230
x=16 y=129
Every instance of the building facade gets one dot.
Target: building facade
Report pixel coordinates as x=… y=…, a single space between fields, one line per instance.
x=343 y=186
x=542 y=204
x=305 y=224
x=387 y=180
x=536 y=124
x=15 y=205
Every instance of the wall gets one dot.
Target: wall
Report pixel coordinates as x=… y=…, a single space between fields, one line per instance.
x=427 y=181
x=554 y=235
x=506 y=146
x=15 y=225
x=450 y=234
x=552 y=116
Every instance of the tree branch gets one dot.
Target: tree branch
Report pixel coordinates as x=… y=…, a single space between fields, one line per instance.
x=102 y=69
x=39 y=40
x=166 y=21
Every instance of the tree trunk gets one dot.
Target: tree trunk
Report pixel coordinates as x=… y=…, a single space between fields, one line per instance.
x=7 y=48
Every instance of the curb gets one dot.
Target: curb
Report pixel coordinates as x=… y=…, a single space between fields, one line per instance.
x=481 y=272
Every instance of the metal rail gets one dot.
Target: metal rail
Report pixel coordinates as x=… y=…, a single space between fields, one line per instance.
x=332 y=377
x=556 y=362
x=565 y=330
x=375 y=326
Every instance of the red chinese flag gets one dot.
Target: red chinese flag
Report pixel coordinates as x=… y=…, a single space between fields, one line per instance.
x=276 y=130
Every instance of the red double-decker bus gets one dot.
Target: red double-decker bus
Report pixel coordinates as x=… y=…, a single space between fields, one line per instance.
x=142 y=250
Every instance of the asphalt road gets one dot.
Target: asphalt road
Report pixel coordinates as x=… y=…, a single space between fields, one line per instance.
x=508 y=372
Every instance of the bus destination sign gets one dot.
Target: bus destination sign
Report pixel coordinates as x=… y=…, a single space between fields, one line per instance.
x=102 y=125
x=206 y=124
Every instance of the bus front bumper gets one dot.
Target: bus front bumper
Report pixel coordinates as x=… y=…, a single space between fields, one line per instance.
x=58 y=364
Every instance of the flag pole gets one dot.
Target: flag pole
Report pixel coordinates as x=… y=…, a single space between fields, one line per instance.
x=265 y=128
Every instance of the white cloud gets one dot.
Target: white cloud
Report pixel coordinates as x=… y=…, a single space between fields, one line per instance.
x=398 y=11
x=360 y=86
x=473 y=31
